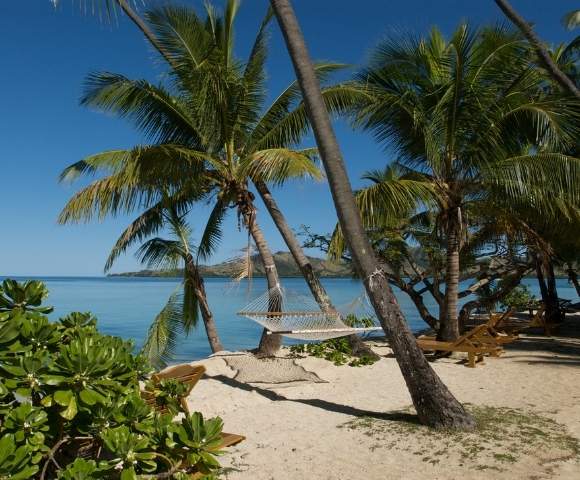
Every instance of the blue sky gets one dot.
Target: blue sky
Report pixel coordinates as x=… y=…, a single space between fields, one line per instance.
x=46 y=54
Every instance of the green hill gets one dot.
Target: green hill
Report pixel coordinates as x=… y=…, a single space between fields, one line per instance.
x=284 y=262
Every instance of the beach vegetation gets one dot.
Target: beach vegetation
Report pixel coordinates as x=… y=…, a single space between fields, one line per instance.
x=71 y=408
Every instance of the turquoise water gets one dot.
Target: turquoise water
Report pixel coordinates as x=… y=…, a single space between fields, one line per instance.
x=126 y=306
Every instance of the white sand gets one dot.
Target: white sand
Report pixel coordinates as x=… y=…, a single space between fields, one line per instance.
x=293 y=430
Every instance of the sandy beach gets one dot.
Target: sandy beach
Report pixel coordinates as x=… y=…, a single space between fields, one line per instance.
x=349 y=426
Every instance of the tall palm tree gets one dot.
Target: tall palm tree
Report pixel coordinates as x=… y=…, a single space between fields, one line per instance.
x=312 y=280
x=209 y=128
x=435 y=405
x=470 y=116
x=181 y=312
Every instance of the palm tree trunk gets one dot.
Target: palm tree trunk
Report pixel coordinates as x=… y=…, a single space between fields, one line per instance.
x=359 y=348
x=553 y=312
x=573 y=278
x=543 y=55
x=435 y=405
x=206 y=314
x=269 y=343
x=449 y=330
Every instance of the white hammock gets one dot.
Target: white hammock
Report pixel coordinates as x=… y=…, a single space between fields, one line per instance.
x=297 y=316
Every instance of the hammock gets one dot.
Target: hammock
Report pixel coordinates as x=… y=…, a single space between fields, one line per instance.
x=297 y=316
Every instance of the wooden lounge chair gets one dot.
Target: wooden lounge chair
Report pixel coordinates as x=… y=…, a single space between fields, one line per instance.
x=470 y=343
x=515 y=324
x=488 y=333
x=495 y=329
x=185 y=373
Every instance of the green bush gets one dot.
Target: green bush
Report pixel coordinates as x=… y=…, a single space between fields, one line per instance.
x=70 y=404
x=519 y=298
x=338 y=350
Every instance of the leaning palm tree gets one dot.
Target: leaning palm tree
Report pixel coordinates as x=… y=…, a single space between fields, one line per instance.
x=434 y=403
x=209 y=128
x=181 y=313
x=471 y=116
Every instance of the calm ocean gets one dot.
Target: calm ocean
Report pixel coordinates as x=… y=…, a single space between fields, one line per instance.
x=126 y=306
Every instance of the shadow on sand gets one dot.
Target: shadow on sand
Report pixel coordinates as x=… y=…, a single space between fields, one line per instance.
x=396 y=416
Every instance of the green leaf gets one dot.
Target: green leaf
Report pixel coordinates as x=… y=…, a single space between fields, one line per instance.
x=128 y=474
x=63 y=397
x=70 y=412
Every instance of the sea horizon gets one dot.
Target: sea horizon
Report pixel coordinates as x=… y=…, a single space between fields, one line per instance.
x=126 y=306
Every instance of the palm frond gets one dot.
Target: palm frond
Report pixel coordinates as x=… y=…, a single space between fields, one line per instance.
x=165 y=331
x=162 y=117
x=103 y=9
x=571 y=20
x=160 y=253
x=145 y=225
x=212 y=233
x=287 y=109
x=190 y=302
x=547 y=182
x=276 y=165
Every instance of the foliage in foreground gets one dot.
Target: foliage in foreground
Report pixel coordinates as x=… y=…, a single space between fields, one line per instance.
x=337 y=350
x=70 y=406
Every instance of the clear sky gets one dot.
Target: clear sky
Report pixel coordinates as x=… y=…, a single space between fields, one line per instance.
x=46 y=53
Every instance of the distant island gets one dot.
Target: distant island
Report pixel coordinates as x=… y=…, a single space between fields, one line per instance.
x=284 y=262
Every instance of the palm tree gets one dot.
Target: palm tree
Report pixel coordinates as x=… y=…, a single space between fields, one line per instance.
x=181 y=312
x=541 y=50
x=435 y=405
x=470 y=116
x=209 y=129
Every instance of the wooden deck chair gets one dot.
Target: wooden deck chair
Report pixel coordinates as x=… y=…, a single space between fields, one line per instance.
x=488 y=333
x=470 y=343
x=494 y=327
x=185 y=373
x=536 y=319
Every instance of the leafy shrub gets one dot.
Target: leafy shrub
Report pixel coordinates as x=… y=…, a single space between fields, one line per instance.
x=338 y=350
x=70 y=406
x=519 y=298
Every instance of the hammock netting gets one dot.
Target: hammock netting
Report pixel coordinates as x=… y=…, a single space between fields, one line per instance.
x=298 y=316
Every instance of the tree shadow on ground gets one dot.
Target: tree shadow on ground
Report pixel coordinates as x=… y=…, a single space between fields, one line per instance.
x=565 y=342
x=395 y=416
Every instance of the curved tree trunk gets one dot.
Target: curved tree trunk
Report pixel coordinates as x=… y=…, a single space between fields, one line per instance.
x=269 y=343
x=544 y=56
x=199 y=290
x=449 y=330
x=573 y=278
x=318 y=292
x=435 y=405
x=206 y=315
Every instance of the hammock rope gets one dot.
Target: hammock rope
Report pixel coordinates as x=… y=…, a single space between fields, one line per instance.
x=298 y=316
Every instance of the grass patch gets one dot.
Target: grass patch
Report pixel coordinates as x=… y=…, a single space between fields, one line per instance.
x=503 y=437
